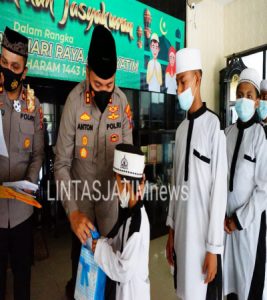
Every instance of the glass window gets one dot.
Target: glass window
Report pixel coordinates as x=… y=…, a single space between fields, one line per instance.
x=254 y=61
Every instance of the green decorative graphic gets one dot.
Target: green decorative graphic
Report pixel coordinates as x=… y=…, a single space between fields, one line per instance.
x=60 y=31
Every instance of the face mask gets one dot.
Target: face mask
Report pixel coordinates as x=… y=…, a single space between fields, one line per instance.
x=186 y=99
x=262 y=110
x=245 y=109
x=124 y=198
x=11 y=80
x=101 y=98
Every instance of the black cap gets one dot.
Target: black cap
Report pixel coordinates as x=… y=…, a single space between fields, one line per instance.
x=129 y=148
x=15 y=42
x=102 y=56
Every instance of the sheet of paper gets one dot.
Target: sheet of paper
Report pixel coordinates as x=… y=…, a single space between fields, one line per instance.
x=22 y=185
x=3 y=148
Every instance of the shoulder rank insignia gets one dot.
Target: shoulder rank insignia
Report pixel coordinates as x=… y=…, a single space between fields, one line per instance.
x=30 y=99
x=41 y=116
x=87 y=97
x=128 y=113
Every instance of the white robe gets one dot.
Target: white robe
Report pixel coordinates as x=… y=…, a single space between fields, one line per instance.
x=265 y=286
x=246 y=201
x=128 y=268
x=198 y=220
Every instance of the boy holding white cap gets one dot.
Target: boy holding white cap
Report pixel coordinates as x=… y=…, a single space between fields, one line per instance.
x=262 y=109
x=245 y=222
x=196 y=213
x=124 y=254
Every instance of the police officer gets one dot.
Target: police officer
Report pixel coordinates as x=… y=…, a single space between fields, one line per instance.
x=23 y=135
x=95 y=119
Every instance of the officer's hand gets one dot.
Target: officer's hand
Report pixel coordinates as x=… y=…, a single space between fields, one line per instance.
x=170 y=247
x=81 y=225
x=210 y=267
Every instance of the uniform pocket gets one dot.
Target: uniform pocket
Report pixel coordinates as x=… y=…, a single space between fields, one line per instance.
x=201 y=157
x=26 y=134
x=249 y=158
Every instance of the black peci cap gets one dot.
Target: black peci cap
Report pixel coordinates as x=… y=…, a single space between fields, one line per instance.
x=15 y=42
x=102 y=56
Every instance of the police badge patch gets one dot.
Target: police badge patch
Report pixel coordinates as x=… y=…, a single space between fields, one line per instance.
x=17 y=106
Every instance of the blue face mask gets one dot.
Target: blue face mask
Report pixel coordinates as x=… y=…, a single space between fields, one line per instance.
x=262 y=110
x=186 y=99
x=245 y=109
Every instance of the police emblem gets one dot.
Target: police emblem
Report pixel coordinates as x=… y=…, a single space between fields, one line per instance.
x=124 y=163
x=114 y=138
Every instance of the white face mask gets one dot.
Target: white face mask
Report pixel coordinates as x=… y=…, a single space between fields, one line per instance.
x=124 y=197
x=186 y=98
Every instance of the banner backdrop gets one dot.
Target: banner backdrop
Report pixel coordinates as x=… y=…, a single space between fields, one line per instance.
x=60 y=33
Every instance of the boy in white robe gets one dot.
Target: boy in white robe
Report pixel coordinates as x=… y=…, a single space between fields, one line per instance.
x=197 y=210
x=262 y=109
x=262 y=112
x=245 y=222
x=124 y=255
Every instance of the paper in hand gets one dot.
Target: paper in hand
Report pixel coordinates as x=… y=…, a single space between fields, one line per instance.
x=22 y=185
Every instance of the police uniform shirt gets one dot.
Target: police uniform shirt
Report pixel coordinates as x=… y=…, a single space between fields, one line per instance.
x=23 y=133
x=85 y=150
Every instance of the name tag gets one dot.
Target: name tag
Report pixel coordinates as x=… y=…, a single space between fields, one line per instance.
x=114 y=125
x=27 y=117
x=88 y=127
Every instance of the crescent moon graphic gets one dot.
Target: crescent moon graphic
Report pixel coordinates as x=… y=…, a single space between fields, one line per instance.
x=162 y=26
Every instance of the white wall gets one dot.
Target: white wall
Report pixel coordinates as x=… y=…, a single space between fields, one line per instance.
x=220 y=28
x=205 y=30
x=245 y=25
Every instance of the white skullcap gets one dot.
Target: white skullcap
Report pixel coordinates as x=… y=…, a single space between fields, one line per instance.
x=129 y=161
x=264 y=85
x=155 y=37
x=188 y=59
x=252 y=76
